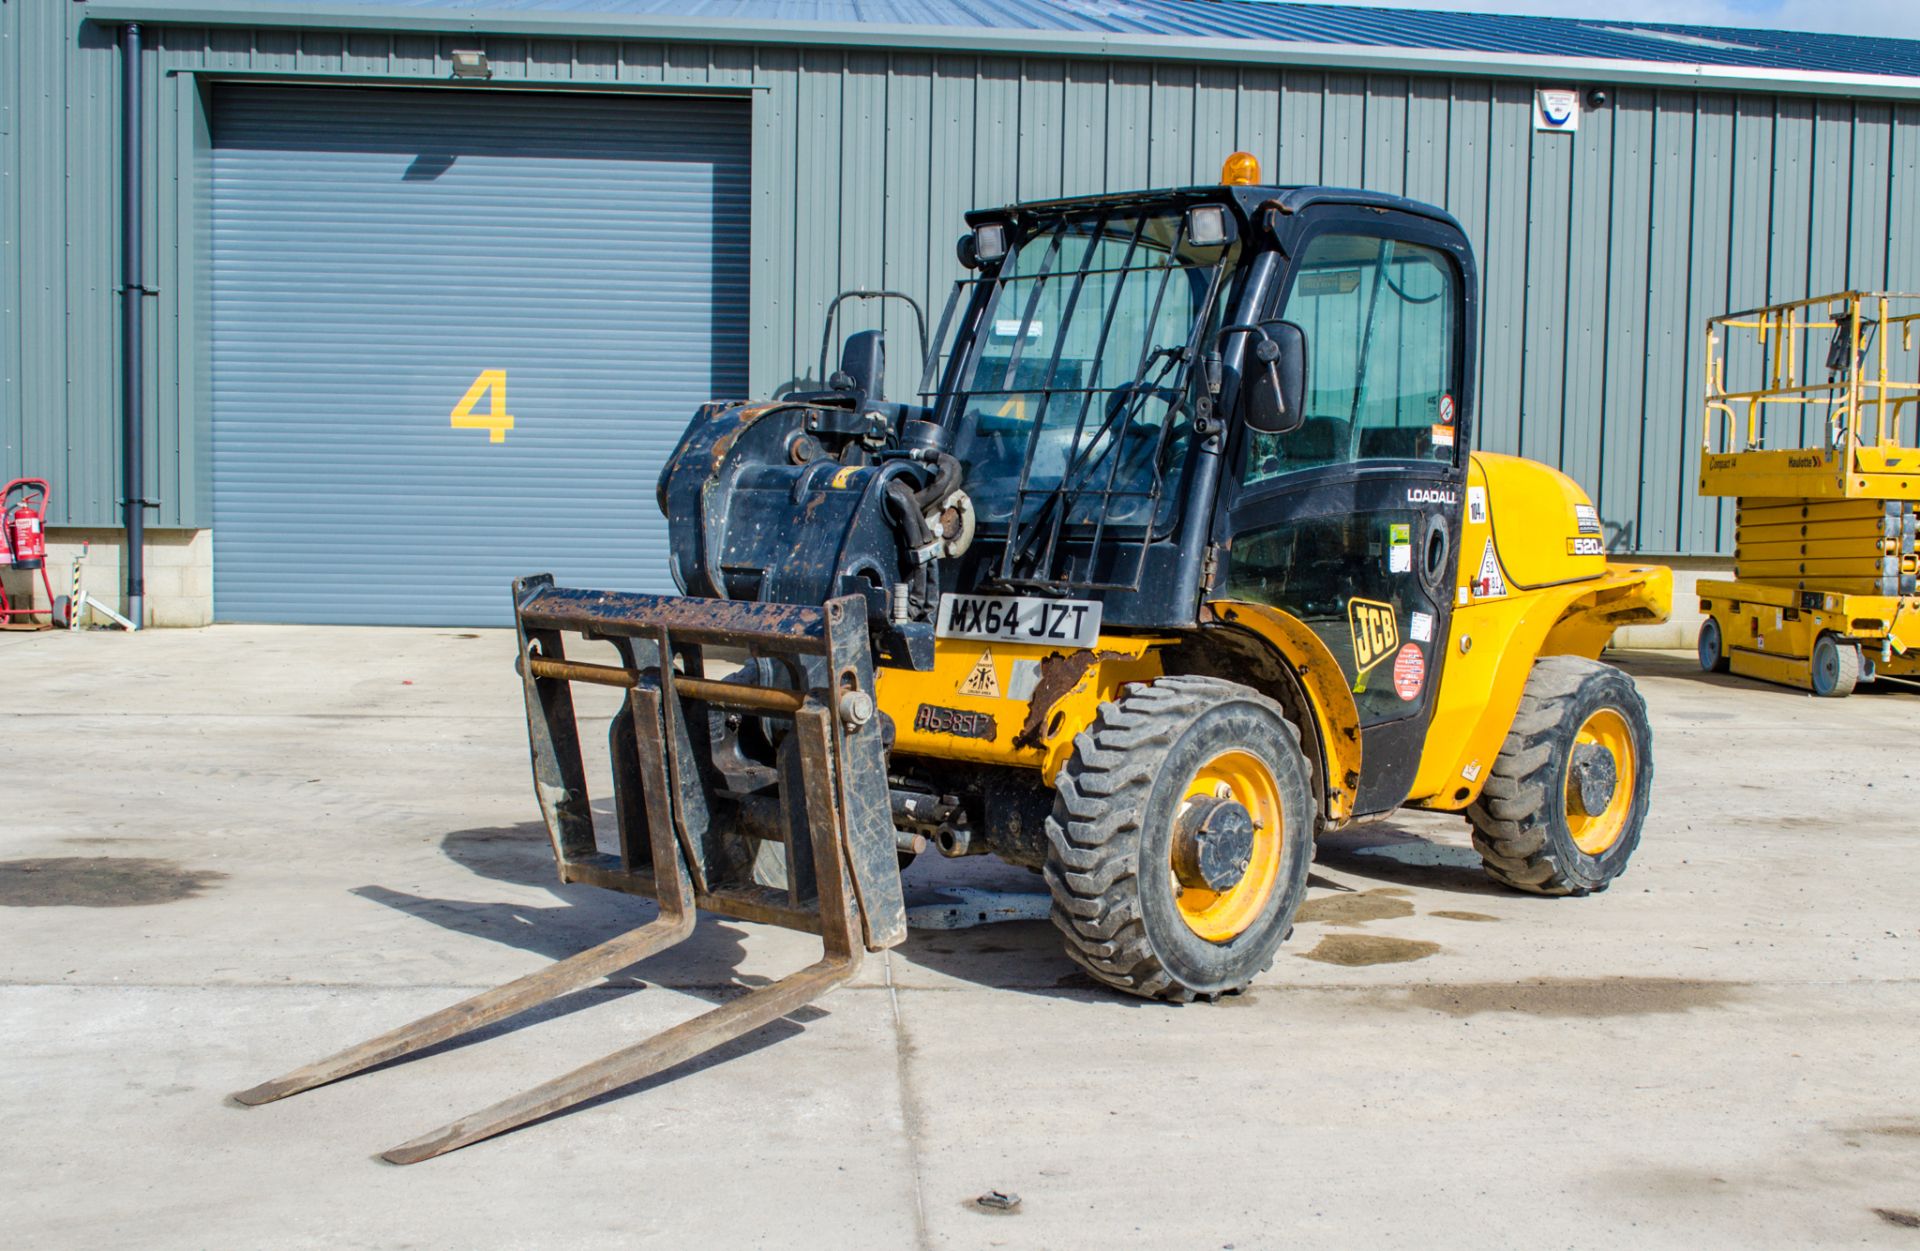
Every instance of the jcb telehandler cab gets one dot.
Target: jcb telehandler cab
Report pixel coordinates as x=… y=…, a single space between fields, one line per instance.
x=1179 y=559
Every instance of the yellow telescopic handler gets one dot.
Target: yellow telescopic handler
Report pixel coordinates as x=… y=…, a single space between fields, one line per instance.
x=1178 y=558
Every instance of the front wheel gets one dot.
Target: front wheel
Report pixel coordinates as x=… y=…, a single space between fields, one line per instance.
x=1713 y=650
x=1835 y=667
x=1180 y=839
x=1567 y=796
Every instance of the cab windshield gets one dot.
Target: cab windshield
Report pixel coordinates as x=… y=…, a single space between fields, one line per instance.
x=1071 y=398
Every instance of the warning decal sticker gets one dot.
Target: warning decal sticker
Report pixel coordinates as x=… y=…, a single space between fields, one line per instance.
x=1487 y=583
x=1409 y=672
x=981 y=681
x=1477 y=505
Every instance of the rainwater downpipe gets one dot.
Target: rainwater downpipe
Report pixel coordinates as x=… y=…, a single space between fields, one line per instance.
x=132 y=291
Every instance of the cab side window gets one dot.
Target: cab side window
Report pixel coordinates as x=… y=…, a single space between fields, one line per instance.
x=1379 y=318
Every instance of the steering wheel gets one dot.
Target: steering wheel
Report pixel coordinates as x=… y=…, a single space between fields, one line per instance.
x=1124 y=394
x=1142 y=439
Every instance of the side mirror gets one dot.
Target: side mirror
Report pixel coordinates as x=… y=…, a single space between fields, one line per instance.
x=1275 y=391
x=863 y=365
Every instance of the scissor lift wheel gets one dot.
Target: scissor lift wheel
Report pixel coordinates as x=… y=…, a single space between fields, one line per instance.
x=1836 y=667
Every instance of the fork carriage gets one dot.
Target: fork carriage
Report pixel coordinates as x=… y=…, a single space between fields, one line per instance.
x=808 y=844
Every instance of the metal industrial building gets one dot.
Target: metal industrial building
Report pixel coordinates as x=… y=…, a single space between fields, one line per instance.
x=362 y=249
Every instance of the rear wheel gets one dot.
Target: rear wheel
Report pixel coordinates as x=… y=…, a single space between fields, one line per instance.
x=1565 y=800
x=1836 y=667
x=1180 y=839
x=1713 y=651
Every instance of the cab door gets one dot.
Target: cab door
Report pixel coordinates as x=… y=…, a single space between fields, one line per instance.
x=1352 y=522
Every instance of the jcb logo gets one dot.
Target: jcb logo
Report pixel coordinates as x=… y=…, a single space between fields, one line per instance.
x=1376 y=632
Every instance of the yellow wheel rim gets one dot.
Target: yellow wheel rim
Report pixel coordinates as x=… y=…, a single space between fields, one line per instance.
x=1593 y=833
x=1219 y=916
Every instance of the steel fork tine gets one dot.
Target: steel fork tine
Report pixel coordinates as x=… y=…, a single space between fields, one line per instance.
x=482 y=1009
x=675 y=922
x=672 y=1046
x=839 y=932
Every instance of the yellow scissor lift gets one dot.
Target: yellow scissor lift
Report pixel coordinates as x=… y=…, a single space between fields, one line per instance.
x=1823 y=595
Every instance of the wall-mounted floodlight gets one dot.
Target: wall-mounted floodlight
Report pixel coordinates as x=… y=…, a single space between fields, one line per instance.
x=471 y=63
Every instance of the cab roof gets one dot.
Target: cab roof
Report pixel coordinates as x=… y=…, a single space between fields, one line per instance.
x=1249 y=200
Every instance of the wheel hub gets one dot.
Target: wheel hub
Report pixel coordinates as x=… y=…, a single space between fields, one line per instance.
x=1594 y=776
x=1213 y=844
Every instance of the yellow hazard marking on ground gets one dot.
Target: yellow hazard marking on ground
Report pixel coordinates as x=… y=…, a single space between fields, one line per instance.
x=981 y=680
x=495 y=421
x=1376 y=632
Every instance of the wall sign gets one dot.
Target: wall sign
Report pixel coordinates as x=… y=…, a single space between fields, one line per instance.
x=1556 y=108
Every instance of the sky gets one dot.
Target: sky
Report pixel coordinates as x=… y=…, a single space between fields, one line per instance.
x=1897 y=18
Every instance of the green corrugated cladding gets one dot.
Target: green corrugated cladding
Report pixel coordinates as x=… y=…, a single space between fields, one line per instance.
x=1602 y=252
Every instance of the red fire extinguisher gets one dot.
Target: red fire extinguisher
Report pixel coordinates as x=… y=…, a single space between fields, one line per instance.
x=23 y=541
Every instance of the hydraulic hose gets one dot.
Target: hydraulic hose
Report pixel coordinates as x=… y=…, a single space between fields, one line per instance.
x=910 y=509
x=910 y=512
x=946 y=476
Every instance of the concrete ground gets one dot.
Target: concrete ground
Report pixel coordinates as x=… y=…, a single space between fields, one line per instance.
x=226 y=852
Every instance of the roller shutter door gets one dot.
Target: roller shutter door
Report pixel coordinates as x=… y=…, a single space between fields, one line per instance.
x=380 y=255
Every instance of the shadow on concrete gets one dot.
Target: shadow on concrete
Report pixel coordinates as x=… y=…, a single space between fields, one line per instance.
x=1011 y=955
x=1025 y=956
x=1683 y=667
x=1382 y=852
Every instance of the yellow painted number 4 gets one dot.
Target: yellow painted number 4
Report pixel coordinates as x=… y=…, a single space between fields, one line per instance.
x=495 y=421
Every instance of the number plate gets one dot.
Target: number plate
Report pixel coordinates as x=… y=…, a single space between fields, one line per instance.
x=1019 y=619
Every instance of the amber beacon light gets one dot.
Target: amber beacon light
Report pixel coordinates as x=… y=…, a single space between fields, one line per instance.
x=1242 y=169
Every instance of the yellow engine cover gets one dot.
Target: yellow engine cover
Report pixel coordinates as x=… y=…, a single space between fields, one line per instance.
x=1534 y=581
x=1547 y=530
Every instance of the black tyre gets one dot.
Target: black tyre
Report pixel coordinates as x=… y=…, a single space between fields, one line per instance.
x=1713 y=650
x=1565 y=800
x=62 y=612
x=1181 y=833
x=1836 y=667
